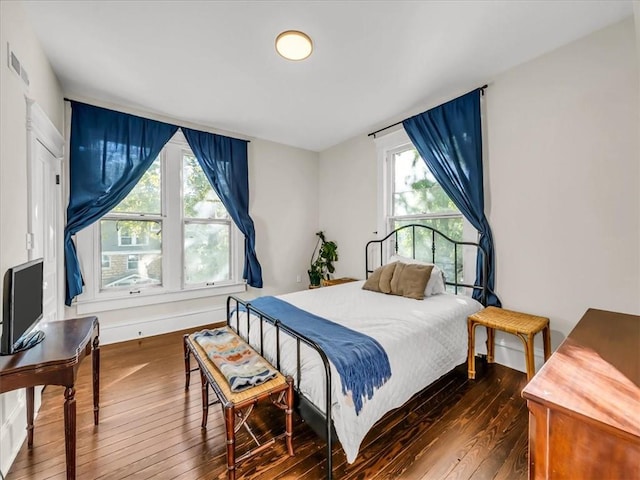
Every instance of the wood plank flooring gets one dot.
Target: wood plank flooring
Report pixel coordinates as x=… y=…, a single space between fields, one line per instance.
x=150 y=428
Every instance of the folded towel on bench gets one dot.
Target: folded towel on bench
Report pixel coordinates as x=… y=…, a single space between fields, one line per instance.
x=237 y=361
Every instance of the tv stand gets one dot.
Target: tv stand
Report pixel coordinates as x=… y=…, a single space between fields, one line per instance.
x=31 y=340
x=56 y=362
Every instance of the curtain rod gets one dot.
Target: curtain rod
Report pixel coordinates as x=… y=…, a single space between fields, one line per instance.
x=373 y=134
x=132 y=114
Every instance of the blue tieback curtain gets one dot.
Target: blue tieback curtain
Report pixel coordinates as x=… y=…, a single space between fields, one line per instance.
x=449 y=139
x=224 y=162
x=110 y=151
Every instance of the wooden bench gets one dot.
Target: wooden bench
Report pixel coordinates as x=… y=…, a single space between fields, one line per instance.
x=523 y=325
x=239 y=404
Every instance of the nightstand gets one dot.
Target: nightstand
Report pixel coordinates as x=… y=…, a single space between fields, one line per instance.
x=337 y=281
x=523 y=325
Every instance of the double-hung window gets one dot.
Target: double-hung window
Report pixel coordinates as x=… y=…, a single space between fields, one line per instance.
x=207 y=228
x=410 y=194
x=171 y=238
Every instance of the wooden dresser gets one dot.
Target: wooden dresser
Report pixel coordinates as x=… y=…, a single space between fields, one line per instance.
x=584 y=404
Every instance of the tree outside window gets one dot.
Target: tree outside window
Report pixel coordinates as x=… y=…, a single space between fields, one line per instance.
x=417 y=198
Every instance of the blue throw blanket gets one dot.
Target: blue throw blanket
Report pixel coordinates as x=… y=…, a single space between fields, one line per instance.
x=361 y=361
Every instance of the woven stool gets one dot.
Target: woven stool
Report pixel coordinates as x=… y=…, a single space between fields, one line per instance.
x=523 y=325
x=239 y=404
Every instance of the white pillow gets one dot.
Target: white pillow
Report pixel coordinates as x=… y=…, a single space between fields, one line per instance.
x=435 y=285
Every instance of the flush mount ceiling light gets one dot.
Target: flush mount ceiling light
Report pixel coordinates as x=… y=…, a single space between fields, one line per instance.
x=294 y=45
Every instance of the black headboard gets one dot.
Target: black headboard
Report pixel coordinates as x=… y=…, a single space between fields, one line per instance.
x=422 y=239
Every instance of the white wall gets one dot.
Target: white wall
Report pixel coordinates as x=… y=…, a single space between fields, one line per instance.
x=283 y=182
x=348 y=201
x=563 y=178
x=45 y=89
x=564 y=160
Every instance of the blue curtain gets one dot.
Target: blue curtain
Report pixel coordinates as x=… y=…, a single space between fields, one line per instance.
x=224 y=162
x=449 y=139
x=110 y=151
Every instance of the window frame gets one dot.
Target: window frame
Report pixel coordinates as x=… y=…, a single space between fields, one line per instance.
x=386 y=146
x=204 y=221
x=172 y=287
x=391 y=218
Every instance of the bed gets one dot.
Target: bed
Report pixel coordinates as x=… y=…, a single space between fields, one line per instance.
x=423 y=340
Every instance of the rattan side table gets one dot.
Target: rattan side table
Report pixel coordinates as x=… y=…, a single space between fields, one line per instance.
x=523 y=325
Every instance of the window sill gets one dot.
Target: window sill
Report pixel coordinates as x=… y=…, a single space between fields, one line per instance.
x=154 y=298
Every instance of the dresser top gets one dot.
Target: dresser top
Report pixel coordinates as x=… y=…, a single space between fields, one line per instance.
x=596 y=372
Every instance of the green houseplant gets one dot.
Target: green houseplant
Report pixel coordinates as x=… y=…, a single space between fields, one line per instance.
x=322 y=265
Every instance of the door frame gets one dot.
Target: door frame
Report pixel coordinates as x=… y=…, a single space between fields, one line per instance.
x=41 y=130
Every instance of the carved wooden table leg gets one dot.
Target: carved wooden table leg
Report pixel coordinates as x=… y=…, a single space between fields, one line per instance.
x=95 y=356
x=70 y=431
x=29 y=417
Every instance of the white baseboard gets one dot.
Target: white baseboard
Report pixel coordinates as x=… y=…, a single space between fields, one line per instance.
x=13 y=431
x=149 y=326
x=509 y=351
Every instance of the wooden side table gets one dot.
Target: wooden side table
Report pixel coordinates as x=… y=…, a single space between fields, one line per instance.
x=337 y=281
x=55 y=361
x=523 y=325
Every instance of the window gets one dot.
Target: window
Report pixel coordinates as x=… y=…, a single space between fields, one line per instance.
x=412 y=195
x=132 y=262
x=207 y=228
x=417 y=197
x=170 y=238
x=130 y=237
x=131 y=234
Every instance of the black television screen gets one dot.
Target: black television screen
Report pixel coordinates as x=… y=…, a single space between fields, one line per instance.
x=22 y=306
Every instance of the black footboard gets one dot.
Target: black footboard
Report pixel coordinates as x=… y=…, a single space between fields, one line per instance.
x=321 y=423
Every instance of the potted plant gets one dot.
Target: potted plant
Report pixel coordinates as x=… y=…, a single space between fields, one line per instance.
x=322 y=265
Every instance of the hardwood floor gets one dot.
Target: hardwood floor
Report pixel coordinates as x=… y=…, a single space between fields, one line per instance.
x=150 y=428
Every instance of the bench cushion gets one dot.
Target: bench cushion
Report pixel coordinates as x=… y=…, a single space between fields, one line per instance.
x=242 y=367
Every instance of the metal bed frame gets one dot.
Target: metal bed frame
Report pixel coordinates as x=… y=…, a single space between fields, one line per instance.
x=393 y=237
x=323 y=424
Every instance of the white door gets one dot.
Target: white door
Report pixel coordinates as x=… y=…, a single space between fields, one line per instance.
x=45 y=205
x=45 y=197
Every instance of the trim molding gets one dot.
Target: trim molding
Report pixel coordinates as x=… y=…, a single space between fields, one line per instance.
x=153 y=298
x=149 y=326
x=43 y=129
x=13 y=431
x=509 y=351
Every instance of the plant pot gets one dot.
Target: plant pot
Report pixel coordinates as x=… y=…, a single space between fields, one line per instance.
x=314 y=278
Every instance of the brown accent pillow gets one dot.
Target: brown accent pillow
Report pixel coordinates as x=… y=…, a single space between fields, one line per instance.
x=386 y=276
x=410 y=280
x=380 y=279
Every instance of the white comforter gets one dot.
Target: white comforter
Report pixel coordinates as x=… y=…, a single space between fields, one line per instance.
x=423 y=340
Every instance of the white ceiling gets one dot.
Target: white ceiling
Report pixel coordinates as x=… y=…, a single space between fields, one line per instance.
x=214 y=63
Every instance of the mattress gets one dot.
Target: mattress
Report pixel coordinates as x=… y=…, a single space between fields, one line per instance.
x=424 y=339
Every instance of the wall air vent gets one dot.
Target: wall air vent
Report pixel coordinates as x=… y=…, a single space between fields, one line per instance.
x=13 y=61
x=15 y=65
